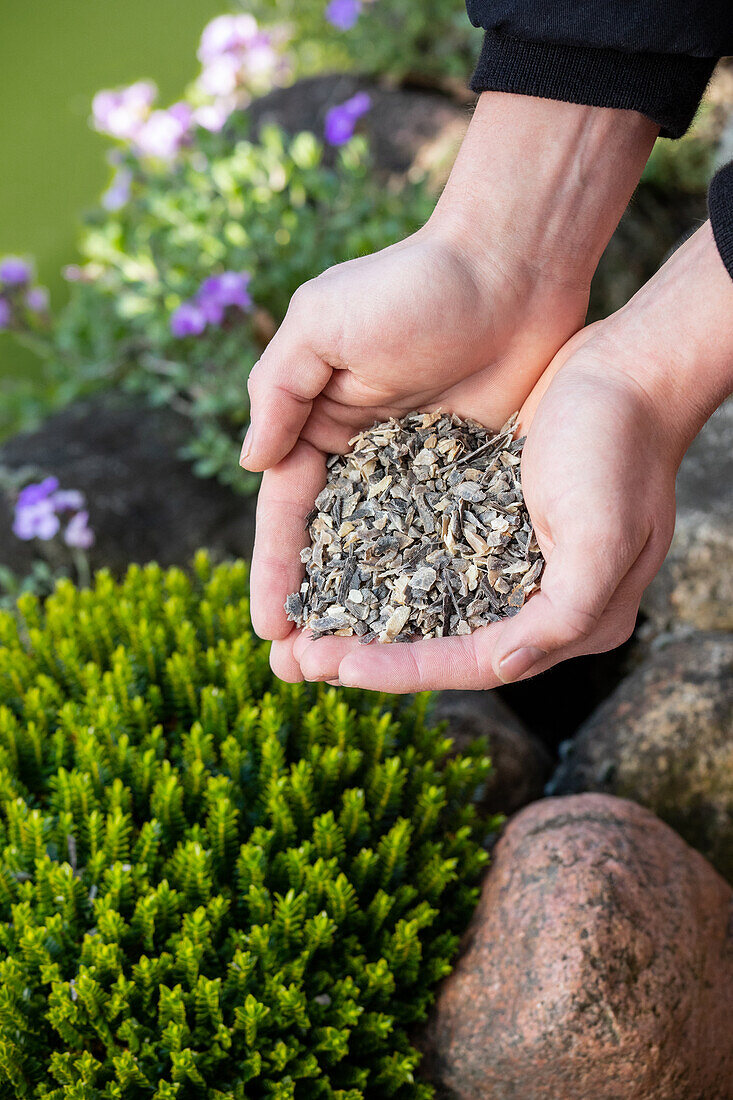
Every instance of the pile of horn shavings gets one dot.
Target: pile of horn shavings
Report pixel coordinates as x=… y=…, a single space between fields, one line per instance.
x=420 y=531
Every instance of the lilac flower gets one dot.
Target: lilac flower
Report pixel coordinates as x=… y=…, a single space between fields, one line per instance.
x=188 y=320
x=215 y=295
x=218 y=292
x=34 y=494
x=14 y=271
x=36 y=521
x=37 y=512
x=6 y=314
x=67 y=500
x=341 y=120
x=37 y=299
x=221 y=75
x=118 y=193
x=213 y=116
x=226 y=34
x=164 y=132
x=343 y=14
x=121 y=113
x=261 y=58
x=78 y=533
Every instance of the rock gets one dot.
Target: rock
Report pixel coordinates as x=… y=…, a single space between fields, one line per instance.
x=521 y=763
x=144 y=501
x=556 y=702
x=695 y=585
x=408 y=128
x=598 y=966
x=665 y=738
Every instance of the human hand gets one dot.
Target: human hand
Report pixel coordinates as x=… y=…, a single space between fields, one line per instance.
x=607 y=427
x=453 y=317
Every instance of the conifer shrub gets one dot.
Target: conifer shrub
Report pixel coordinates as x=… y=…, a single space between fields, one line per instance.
x=212 y=883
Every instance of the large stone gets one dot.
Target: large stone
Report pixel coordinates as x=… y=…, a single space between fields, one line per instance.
x=145 y=502
x=695 y=585
x=598 y=966
x=408 y=128
x=665 y=738
x=521 y=764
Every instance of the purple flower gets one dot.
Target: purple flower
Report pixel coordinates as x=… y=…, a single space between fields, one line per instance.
x=78 y=533
x=35 y=521
x=37 y=299
x=37 y=512
x=261 y=58
x=67 y=500
x=343 y=14
x=226 y=34
x=341 y=120
x=34 y=494
x=118 y=193
x=220 y=76
x=6 y=314
x=213 y=116
x=14 y=271
x=219 y=292
x=121 y=113
x=188 y=320
x=164 y=132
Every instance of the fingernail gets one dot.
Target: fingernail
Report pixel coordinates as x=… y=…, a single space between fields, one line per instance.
x=334 y=683
x=519 y=663
x=246 y=446
x=346 y=679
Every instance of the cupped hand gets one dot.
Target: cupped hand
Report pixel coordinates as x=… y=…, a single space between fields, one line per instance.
x=417 y=326
x=465 y=315
x=598 y=476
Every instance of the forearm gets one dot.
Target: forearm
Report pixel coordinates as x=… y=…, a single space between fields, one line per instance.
x=545 y=181
x=675 y=339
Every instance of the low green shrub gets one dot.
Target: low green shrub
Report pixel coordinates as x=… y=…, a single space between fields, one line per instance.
x=213 y=883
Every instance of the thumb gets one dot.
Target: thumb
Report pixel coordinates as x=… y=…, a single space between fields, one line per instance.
x=282 y=387
x=583 y=571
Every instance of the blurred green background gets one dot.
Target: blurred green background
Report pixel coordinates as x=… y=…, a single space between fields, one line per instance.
x=54 y=55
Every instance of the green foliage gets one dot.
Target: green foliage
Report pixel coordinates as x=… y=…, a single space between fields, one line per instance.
x=685 y=165
x=213 y=883
x=274 y=208
x=431 y=40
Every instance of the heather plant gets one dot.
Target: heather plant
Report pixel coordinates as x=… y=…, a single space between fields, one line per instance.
x=431 y=41
x=213 y=883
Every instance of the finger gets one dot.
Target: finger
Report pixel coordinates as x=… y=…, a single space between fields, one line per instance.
x=282 y=661
x=285 y=499
x=282 y=387
x=320 y=659
x=579 y=582
x=618 y=620
x=433 y=664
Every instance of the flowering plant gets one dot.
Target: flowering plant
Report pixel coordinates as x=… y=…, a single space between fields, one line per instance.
x=56 y=521
x=21 y=300
x=202 y=237
x=431 y=41
x=181 y=284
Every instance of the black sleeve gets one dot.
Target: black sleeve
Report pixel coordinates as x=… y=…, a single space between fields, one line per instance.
x=720 y=206
x=651 y=56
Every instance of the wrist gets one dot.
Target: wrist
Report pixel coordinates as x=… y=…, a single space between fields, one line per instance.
x=541 y=184
x=674 y=340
